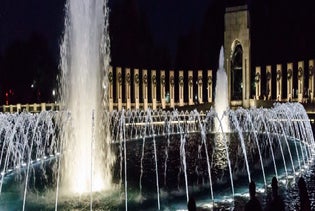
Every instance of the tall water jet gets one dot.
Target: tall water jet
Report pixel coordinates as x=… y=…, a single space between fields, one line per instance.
x=221 y=95
x=84 y=60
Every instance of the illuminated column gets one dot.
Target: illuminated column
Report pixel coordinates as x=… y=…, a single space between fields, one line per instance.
x=209 y=82
x=200 y=86
x=162 y=92
x=136 y=87
x=269 y=84
x=110 y=89
x=153 y=89
x=300 y=80
x=311 y=80
x=119 y=87
x=257 y=82
x=181 y=88
x=279 y=82
x=172 y=88
x=290 y=90
x=128 y=88
x=190 y=87
x=145 y=88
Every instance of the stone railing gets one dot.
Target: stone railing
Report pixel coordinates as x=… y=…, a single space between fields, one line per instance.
x=34 y=108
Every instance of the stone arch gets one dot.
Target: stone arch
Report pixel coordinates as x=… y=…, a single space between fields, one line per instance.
x=236 y=73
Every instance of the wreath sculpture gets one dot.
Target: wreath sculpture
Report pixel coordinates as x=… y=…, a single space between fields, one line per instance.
x=200 y=80
x=128 y=78
x=163 y=80
x=181 y=80
x=190 y=79
x=300 y=72
x=289 y=73
x=110 y=77
x=119 y=78
x=154 y=79
x=145 y=79
x=268 y=76
x=172 y=80
x=257 y=77
x=278 y=75
x=209 y=80
x=311 y=71
x=137 y=78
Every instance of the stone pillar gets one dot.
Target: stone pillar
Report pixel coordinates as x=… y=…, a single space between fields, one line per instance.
x=279 y=82
x=145 y=88
x=128 y=88
x=110 y=89
x=153 y=89
x=269 y=82
x=300 y=81
x=162 y=87
x=290 y=90
x=18 y=108
x=172 y=89
x=42 y=106
x=257 y=82
x=190 y=87
x=200 y=86
x=119 y=87
x=209 y=83
x=311 y=80
x=136 y=85
x=181 y=87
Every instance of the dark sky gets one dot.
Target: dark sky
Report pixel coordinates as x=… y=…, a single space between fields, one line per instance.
x=158 y=33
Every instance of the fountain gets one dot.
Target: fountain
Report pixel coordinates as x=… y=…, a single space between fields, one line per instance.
x=65 y=160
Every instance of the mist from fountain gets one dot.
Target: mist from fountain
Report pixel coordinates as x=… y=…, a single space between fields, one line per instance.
x=84 y=60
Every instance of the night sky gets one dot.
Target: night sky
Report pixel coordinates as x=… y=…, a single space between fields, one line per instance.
x=146 y=34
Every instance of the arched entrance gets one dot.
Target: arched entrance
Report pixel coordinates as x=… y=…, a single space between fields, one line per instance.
x=237 y=72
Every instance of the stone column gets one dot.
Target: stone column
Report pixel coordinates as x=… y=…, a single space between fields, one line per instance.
x=290 y=90
x=300 y=81
x=269 y=80
x=128 y=88
x=162 y=87
x=172 y=89
x=311 y=80
x=119 y=87
x=136 y=87
x=153 y=89
x=190 y=87
x=181 y=87
x=257 y=82
x=200 y=86
x=110 y=89
x=145 y=88
x=279 y=82
x=209 y=83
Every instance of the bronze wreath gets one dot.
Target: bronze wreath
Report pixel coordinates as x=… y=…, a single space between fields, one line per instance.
x=278 y=75
x=137 y=78
x=163 y=80
x=268 y=76
x=128 y=78
x=172 y=80
x=110 y=77
x=209 y=80
x=200 y=80
x=190 y=79
x=145 y=79
x=300 y=72
x=119 y=78
x=154 y=79
x=181 y=80
x=311 y=71
x=289 y=73
x=257 y=77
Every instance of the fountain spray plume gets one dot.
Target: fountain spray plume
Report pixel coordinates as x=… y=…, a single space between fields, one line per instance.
x=84 y=63
x=221 y=95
